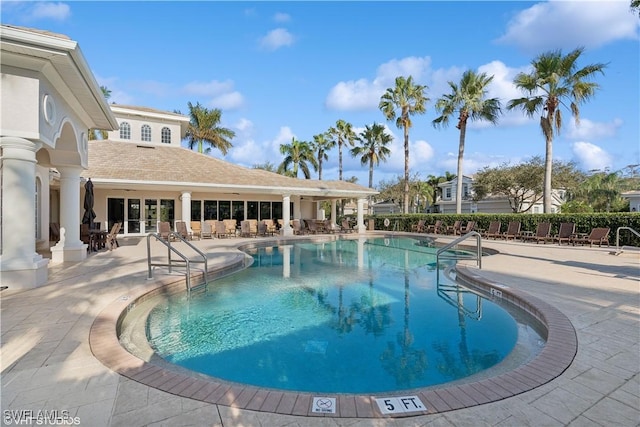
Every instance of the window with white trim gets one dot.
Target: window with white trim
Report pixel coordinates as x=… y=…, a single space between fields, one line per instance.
x=145 y=133
x=165 y=136
x=125 y=130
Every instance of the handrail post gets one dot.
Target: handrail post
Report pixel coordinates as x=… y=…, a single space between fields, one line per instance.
x=456 y=242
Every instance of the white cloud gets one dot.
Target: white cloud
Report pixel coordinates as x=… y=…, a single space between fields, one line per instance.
x=46 y=10
x=590 y=156
x=567 y=24
x=364 y=94
x=245 y=126
x=276 y=39
x=588 y=129
x=473 y=162
x=221 y=94
x=282 y=17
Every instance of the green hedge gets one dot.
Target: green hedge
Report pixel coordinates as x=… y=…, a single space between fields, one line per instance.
x=584 y=222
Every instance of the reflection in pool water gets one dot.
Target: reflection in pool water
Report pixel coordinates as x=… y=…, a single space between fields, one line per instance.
x=346 y=316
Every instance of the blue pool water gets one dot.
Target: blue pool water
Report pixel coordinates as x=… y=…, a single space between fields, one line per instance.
x=347 y=316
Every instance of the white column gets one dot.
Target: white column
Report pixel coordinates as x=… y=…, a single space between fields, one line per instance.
x=286 y=216
x=333 y=211
x=297 y=213
x=360 y=226
x=20 y=265
x=70 y=247
x=186 y=209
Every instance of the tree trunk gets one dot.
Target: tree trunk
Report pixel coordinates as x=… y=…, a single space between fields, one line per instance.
x=371 y=173
x=463 y=132
x=406 y=170
x=548 y=165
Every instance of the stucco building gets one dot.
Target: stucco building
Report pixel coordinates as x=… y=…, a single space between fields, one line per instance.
x=140 y=173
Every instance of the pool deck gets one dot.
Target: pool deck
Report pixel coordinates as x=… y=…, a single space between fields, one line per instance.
x=48 y=365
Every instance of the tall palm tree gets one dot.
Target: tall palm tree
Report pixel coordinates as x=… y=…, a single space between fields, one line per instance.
x=298 y=155
x=204 y=128
x=93 y=133
x=373 y=148
x=410 y=99
x=341 y=134
x=468 y=100
x=321 y=144
x=554 y=81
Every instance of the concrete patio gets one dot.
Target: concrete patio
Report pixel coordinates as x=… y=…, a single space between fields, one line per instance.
x=47 y=363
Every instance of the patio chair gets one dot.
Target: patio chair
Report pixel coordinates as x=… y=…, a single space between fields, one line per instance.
x=181 y=229
x=566 y=231
x=230 y=227
x=513 y=230
x=455 y=228
x=111 y=241
x=330 y=226
x=494 y=230
x=471 y=225
x=298 y=226
x=164 y=229
x=196 y=228
x=436 y=228
x=84 y=235
x=345 y=227
x=419 y=227
x=221 y=229
x=312 y=226
x=262 y=229
x=598 y=235
x=245 y=229
x=207 y=231
x=543 y=232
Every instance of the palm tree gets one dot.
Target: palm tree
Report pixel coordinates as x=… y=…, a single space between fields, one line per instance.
x=469 y=101
x=204 y=128
x=553 y=82
x=635 y=6
x=93 y=133
x=321 y=144
x=374 y=142
x=299 y=155
x=341 y=134
x=410 y=99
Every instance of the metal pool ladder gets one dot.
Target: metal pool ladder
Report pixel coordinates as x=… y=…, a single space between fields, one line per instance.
x=176 y=262
x=618 y=250
x=441 y=253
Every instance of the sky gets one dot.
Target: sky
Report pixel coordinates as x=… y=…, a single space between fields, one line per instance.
x=279 y=70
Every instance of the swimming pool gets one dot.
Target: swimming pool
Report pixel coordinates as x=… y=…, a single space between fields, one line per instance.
x=346 y=316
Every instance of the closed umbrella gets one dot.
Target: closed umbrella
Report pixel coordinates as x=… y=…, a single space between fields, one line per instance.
x=89 y=214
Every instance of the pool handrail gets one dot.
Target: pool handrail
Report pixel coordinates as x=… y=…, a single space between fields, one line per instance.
x=478 y=255
x=171 y=262
x=618 y=251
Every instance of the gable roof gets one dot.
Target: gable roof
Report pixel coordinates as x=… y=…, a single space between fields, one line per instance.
x=127 y=165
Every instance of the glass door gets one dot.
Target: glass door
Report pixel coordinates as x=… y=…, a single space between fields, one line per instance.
x=151 y=216
x=133 y=216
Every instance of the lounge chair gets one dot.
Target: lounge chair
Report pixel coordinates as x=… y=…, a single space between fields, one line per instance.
x=345 y=227
x=181 y=229
x=164 y=229
x=419 y=227
x=230 y=227
x=455 y=228
x=312 y=226
x=598 y=235
x=245 y=229
x=468 y=228
x=196 y=228
x=207 y=231
x=494 y=230
x=298 y=226
x=330 y=226
x=262 y=229
x=221 y=229
x=543 y=232
x=111 y=240
x=435 y=228
x=566 y=231
x=513 y=230
x=85 y=236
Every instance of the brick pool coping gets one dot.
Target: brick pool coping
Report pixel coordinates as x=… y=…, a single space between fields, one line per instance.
x=553 y=360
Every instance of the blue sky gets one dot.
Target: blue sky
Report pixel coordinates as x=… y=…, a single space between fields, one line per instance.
x=284 y=69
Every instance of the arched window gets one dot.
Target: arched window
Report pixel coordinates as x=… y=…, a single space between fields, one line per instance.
x=166 y=135
x=125 y=130
x=146 y=133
